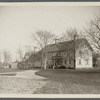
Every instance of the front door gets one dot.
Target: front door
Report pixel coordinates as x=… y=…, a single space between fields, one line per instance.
x=57 y=62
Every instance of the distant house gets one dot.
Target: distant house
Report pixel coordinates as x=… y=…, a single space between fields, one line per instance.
x=61 y=54
x=1 y=65
x=14 y=64
x=34 y=59
x=6 y=65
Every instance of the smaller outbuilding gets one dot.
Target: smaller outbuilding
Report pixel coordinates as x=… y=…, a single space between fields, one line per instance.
x=14 y=64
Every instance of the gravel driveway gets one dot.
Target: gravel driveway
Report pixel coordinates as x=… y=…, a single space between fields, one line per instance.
x=25 y=82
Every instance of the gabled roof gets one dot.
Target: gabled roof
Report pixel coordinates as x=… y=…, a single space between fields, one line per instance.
x=61 y=46
x=67 y=45
x=34 y=57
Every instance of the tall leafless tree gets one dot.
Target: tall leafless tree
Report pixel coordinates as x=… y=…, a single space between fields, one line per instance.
x=43 y=38
x=0 y=57
x=71 y=35
x=93 y=32
x=7 y=56
x=28 y=52
x=20 y=54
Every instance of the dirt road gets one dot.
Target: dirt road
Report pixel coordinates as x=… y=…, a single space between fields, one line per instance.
x=25 y=82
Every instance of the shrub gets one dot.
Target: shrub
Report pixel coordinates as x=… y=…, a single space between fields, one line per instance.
x=25 y=65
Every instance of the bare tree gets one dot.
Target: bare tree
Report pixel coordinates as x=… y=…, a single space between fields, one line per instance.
x=7 y=56
x=28 y=52
x=20 y=54
x=93 y=32
x=0 y=57
x=43 y=38
x=71 y=35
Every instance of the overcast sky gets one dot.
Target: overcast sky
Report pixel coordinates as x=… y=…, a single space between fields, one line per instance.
x=18 y=23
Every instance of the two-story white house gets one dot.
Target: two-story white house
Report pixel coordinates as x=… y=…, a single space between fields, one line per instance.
x=62 y=54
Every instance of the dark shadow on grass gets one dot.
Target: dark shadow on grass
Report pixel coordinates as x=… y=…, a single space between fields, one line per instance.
x=68 y=80
x=11 y=74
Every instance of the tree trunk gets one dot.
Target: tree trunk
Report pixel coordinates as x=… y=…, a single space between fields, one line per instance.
x=74 y=64
x=45 y=58
x=41 y=63
x=42 y=60
x=74 y=60
x=74 y=52
x=45 y=63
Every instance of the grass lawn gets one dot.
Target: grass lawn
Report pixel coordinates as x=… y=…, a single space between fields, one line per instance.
x=69 y=81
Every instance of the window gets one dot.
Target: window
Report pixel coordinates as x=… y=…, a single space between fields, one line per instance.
x=87 y=62
x=79 y=61
x=69 y=61
x=65 y=61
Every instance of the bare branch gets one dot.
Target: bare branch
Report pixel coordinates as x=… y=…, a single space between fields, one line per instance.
x=93 y=32
x=43 y=38
x=7 y=56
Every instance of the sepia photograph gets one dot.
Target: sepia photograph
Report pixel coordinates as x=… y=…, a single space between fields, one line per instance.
x=49 y=48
